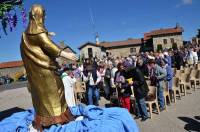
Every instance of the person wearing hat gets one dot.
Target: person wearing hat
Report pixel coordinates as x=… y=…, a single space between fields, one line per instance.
x=93 y=78
x=160 y=74
x=169 y=77
x=167 y=58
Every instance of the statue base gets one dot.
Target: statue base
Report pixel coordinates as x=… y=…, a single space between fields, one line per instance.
x=44 y=122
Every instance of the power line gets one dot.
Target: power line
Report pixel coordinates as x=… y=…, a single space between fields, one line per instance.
x=92 y=19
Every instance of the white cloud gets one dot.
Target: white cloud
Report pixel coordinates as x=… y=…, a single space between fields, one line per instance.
x=184 y=2
x=187 y=2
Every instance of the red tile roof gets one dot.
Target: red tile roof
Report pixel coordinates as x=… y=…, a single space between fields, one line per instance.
x=162 y=32
x=121 y=43
x=11 y=64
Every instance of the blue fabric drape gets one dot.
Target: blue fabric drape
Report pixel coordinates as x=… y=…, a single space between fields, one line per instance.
x=95 y=120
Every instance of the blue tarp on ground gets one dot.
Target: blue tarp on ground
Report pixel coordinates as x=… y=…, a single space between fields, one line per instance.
x=95 y=120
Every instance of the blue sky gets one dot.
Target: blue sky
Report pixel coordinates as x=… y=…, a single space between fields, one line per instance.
x=114 y=20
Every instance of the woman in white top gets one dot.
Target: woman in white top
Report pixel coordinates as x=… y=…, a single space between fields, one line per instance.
x=195 y=56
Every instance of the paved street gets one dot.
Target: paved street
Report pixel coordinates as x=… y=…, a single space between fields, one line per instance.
x=179 y=117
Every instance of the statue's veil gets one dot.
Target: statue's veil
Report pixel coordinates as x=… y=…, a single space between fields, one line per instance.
x=36 y=20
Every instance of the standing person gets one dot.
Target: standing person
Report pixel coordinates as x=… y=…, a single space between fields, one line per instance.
x=169 y=77
x=160 y=75
x=124 y=89
x=102 y=70
x=178 y=59
x=113 y=72
x=167 y=58
x=93 y=78
x=195 y=56
x=107 y=79
x=69 y=82
x=39 y=55
x=142 y=67
x=140 y=91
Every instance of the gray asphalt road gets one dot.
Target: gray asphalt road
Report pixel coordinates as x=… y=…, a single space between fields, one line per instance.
x=13 y=85
x=180 y=117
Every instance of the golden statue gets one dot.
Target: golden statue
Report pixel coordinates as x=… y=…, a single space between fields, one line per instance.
x=39 y=55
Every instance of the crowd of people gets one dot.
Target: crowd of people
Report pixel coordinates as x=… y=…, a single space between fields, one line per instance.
x=120 y=76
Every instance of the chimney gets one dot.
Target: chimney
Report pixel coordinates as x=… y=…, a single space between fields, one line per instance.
x=97 y=39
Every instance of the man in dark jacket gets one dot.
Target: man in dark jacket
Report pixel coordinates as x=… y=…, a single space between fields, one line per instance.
x=178 y=60
x=142 y=67
x=140 y=91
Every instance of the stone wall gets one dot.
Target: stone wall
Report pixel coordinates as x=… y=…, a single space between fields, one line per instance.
x=178 y=39
x=12 y=72
x=96 y=51
x=122 y=51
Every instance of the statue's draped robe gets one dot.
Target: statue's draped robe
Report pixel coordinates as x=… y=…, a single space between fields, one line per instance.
x=46 y=87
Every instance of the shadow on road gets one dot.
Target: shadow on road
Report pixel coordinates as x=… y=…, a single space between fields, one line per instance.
x=6 y=113
x=192 y=125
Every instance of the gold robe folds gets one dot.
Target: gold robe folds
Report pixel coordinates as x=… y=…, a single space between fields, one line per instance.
x=38 y=53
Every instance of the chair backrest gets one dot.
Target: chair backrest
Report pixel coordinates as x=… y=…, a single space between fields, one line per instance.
x=175 y=82
x=153 y=92
x=198 y=74
x=182 y=68
x=188 y=70
x=80 y=87
x=178 y=73
x=194 y=73
x=184 y=78
x=198 y=66
x=148 y=82
x=165 y=86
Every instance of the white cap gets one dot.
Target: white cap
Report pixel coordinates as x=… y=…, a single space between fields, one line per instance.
x=165 y=53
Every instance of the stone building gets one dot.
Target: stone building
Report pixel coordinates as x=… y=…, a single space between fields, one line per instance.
x=196 y=40
x=114 y=49
x=164 y=38
x=14 y=69
x=66 y=48
x=122 y=48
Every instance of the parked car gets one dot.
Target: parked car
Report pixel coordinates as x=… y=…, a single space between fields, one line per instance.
x=2 y=80
x=22 y=78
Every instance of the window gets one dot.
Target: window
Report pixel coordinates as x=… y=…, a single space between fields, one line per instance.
x=159 y=48
x=90 y=53
x=165 y=41
x=172 y=40
x=132 y=50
